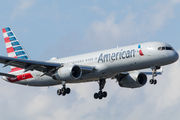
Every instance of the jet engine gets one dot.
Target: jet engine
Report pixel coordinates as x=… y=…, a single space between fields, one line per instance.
x=133 y=80
x=68 y=73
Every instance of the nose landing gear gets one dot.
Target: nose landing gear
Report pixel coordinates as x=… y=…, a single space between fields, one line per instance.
x=154 y=74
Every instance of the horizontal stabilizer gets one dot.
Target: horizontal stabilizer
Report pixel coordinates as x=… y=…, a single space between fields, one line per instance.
x=7 y=75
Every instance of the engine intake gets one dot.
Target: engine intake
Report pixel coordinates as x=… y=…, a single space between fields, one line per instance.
x=68 y=73
x=133 y=80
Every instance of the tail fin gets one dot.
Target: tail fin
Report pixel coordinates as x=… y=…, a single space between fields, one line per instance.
x=13 y=47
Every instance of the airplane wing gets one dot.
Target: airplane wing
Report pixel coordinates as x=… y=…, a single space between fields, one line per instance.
x=45 y=67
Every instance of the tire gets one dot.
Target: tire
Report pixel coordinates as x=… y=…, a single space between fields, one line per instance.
x=95 y=95
x=155 y=82
x=100 y=97
x=63 y=91
x=68 y=90
x=59 y=92
x=104 y=94
x=151 y=81
x=100 y=94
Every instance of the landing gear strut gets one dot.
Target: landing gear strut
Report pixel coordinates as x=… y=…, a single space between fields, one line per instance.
x=154 y=74
x=101 y=94
x=63 y=91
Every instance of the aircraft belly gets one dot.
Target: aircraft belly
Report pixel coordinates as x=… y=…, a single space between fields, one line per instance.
x=43 y=82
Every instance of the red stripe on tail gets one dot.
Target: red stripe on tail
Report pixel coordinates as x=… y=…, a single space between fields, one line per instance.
x=7 y=40
x=10 y=49
x=4 y=30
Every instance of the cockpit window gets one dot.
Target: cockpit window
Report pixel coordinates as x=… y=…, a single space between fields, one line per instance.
x=159 y=48
x=169 y=48
x=165 y=48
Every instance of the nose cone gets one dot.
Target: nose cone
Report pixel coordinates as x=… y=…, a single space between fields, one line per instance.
x=174 y=56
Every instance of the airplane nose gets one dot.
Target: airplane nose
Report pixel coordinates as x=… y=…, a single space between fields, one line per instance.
x=177 y=56
x=174 y=56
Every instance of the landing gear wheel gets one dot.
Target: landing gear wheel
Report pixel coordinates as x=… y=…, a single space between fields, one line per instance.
x=63 y=93
x=151 y=81
x=59 y=92
x=155 y=82
x=68 y=90
x=104 y=94
x=100 y=95
x=95 y=95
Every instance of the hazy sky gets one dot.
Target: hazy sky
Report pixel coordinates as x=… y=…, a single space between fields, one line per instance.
x=58 y=28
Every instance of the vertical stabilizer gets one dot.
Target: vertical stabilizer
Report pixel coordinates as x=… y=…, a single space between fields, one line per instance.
x=13 y=47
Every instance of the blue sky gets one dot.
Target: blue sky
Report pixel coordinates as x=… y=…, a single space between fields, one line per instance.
x=54 y=28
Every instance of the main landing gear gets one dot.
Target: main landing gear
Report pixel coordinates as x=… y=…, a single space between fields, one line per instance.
x=154 y=74
x=64 y=90
x=101 y=94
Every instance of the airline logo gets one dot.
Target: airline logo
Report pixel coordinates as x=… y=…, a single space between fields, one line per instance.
x=119 y=55
x=116 y=56
x=140 y=51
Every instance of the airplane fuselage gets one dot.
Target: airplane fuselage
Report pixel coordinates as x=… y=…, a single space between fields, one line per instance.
x=107 y=63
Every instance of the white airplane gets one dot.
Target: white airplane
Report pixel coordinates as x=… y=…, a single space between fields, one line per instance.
x=119 y=63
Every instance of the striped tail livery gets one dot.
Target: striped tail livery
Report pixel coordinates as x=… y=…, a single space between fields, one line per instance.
x=13 y=47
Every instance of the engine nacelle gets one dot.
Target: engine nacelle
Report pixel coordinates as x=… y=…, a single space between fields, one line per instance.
x=133 y=80
x=68 y=73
